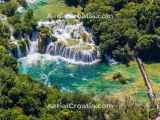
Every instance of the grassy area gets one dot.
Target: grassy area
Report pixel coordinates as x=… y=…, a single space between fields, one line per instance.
x=54 y=8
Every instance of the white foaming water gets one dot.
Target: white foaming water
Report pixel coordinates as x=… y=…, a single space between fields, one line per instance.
x=64 y=31
x=75 y=32
x=69 y=16
x=74 y=44
x=73 y=54
x=31 y=1
x=33 y=59
x=27 y=48
x=33 y=47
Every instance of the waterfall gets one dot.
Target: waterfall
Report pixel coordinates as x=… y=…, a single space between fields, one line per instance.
x=19 y=53
x=73 y=55
x=27 y=47
x=11 y=31
x=74 y=43
x=2 y=1
x=72 y=52
x=33 y=47
x=31 y=1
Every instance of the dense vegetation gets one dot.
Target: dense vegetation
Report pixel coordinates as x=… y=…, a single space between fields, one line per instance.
x=76 y=2
x=134 y=27
x=131 y=28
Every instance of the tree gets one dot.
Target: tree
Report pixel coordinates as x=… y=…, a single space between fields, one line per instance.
x=73 y=2
x=23 y=3
x=118 y=4
x=5 y=102
x=6 y=114
x=123 y=54
x=14 y=94
x=148 y=47
x=9 y=61
x=29 y=106
x=10 y=8
x=4 y=31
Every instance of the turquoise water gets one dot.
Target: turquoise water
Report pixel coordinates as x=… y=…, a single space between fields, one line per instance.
x=37 y=4
x=72 y=77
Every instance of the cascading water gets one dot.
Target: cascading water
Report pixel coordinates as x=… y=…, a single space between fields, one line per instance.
x=22 y=48
x=72 y=39
x=19 y=53
x=27 y=48
x=74 y=44
x=33 y=47
x=72 y=54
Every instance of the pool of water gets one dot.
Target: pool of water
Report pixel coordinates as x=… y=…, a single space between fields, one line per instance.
x=72 y=77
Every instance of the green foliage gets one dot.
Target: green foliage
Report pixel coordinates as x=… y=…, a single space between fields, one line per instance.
x=118 y=4
x=3 y=51
x=148 y=47
x=6 y=114
x=8 y=61
x=4 y=31
x=23 y=3
x=23 y=25
x=45 y=30
x=9 y=8
x=76 y=2
x=124 y=34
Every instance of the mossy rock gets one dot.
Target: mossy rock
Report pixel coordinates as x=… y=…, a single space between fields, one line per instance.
x=72 y=42
x=85 y=37
x=86 y=47
x=45 y=30
x=12 y=47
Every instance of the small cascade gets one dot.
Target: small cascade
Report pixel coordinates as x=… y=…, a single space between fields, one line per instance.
x=11 y=31
x=72 y=54
x=2 y=1
x=27 y=45
x=21 y=48
x=33 y=47
x=19 y=53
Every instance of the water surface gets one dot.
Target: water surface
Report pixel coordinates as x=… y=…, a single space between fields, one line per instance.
x=72 y=77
